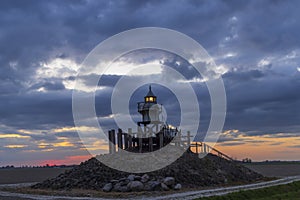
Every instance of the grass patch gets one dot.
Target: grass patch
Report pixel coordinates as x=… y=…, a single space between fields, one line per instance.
x=89 y=193
x=98 y=193
x=289 y=191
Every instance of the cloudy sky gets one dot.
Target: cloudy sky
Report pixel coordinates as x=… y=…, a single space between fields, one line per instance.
x=255 y=45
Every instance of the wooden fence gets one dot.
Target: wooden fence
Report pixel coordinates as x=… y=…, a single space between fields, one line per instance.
x=142 y=141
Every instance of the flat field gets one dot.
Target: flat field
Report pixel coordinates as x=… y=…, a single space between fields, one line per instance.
x=282 y=169
x=28 y=175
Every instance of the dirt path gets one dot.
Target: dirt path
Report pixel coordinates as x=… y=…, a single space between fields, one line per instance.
x=183 y=195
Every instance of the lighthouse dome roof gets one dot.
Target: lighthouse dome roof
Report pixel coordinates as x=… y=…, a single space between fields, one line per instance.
x=150 y=93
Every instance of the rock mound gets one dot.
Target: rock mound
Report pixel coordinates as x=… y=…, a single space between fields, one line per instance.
x=186 y=171
x=137 y=183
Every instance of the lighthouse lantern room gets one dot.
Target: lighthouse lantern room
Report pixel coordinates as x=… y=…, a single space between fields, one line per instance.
x=150 y=109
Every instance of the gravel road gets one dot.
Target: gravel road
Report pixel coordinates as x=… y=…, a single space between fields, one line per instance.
x=183 y=195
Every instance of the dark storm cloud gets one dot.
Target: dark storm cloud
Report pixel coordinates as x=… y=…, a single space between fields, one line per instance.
x=52 y=85
x=266 y=103
x=276 y=143
x=44 y=136
x=295 y=146
x=67 y=134
x=236 y=77
x=232 y=143
x=35 y=32
x=36 y=110
x=182 y=66
x=105 y=80
x=271 y=28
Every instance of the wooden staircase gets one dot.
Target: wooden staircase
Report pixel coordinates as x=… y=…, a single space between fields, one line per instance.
x=203 y=148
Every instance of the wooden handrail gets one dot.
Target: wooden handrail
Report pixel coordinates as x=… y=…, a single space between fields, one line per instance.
x=219 y=153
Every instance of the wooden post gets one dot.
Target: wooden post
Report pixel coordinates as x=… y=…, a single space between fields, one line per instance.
x=113 y=134
x=150 y=144
x=161 y=140
x=197 y=147
x=109 y=142
x=120 y=139
x=188 y=138
x=150 y=140
x=144 y=135
x=130 y=138
x=207 y=148
x=140 y=139
x=179 y=137
x=126 y=137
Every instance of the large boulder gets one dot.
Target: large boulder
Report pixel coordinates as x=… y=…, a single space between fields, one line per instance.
x=177 y=186
x=152 y=185
x=164 y=187
x=145 y=178
x=131 y=177
x=169 y=181
x=137 y=178
x=120 y=188
x=135 y=186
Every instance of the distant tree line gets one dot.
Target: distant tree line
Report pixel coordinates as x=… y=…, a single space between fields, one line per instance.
x=247 y=160
x=8 y=167
x=41 y=166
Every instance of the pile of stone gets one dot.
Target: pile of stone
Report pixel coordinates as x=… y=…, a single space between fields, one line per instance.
x=188 y=170
x=136 y=183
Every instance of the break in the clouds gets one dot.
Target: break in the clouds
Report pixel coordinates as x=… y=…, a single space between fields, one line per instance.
x=255 y=45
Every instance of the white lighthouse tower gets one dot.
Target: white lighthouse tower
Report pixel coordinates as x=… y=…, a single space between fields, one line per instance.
x=150 y=110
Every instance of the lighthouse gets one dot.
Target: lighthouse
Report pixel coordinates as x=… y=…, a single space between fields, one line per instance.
x=150 y=110
x=152 y=132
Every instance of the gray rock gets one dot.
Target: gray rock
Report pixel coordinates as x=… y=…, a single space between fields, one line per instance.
x=123 y=189
x=135 y=186
x=107 y=187
x=152 y=185
x=169 y=181
x=177 y=186
x=124 y=182
x=131 y=177
x=119 y=188
x=164 y=187
x=147 y=187
x=145 y=178
x=122 y=179
x=137 y=178
x=114 y=181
